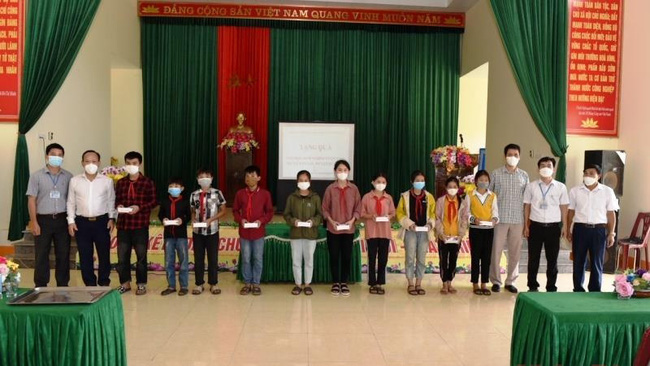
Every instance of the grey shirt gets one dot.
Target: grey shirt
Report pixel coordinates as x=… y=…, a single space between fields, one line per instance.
x=50 y=190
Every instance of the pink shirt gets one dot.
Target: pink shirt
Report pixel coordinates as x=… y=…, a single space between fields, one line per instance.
x=341 y=204
x=369 y=207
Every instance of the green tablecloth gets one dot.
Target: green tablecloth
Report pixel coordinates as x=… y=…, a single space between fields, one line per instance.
x=577 y=329
x=278 y=266
x=71 y=335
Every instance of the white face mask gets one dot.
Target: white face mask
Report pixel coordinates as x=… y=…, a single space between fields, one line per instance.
x=589 y=181
x=342 y=176
x=546 y=172
x=204 y=182
x=512 y=161
x=380 y=187
x=452 y=191
x=91 y=168
x=132 y=169
x=304 y=185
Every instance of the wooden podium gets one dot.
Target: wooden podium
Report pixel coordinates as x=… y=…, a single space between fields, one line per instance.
x=235 y=165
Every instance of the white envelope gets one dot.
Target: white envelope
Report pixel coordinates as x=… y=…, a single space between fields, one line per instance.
x=171 y=222
x=421 y=228
x=381 y=219
x=486 y=223
x=251 y=225
x=342 y=227
x=124 y=209
x=304 y=224
x=452 y=240
x=200 y=225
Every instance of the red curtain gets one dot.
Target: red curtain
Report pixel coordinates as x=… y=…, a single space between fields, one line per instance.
x=243 y=77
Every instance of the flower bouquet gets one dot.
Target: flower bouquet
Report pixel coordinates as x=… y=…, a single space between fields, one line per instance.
x=114 y=172
x=239 y=141
x=452 y=157
x=632 y=283
x=9 y=277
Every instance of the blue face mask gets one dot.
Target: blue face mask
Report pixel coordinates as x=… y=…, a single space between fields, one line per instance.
x=418 y=185
x=54 y=161
x=174 y=191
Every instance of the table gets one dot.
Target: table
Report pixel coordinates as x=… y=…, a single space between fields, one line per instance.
x=577 y=329
x=278 y=266
x=71 y=335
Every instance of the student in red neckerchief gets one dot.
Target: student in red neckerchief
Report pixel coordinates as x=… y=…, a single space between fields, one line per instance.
x=341 y=209
x=416 y=212
x=252 y=209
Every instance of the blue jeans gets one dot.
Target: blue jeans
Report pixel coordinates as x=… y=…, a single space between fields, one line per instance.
x=173 y=247
x=252 y=257
x=416 y=246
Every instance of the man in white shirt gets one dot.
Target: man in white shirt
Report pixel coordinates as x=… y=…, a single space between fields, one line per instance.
x=545 y=212
x=91 y=218
x=592 y=212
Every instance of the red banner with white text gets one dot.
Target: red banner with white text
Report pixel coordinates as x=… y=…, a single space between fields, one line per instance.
x=11 y=57
x=594 y=66
x=300 y=13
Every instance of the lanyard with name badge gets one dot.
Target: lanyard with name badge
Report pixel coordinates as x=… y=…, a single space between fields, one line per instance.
x=544 y=204
x=54 y=193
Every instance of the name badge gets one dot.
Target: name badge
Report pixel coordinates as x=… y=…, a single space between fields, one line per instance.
x=543 y=205
x=55 y=194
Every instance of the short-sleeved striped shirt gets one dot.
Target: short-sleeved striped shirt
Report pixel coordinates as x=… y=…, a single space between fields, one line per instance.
x=206 y=206
x=509 y=188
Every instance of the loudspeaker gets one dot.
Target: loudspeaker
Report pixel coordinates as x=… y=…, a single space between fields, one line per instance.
x=612 y=163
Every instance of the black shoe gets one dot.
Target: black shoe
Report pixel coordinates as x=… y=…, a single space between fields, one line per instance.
x=496 y=288
x=533 y=289
x=336 y=289
x=511 y=288
x=168 y=291
x=345 y=291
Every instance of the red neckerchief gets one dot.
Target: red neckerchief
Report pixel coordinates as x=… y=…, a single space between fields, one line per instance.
x=378 y=205
x=418 y=204
x=452 y=210
x=202 y=205
x=173 y=211
x=249 y=204
x=342 y=201
x=131 y=193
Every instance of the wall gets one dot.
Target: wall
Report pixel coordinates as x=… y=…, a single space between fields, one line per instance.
x=472 y=108
x=126 y=112
x=80 y=113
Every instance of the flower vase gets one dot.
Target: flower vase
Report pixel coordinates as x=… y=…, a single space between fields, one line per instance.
x=11 y=288
x=621 y=297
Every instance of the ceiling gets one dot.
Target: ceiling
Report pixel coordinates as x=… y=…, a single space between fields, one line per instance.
x=428 y=5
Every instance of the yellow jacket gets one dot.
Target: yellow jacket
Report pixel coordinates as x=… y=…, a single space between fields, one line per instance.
x=402 y=213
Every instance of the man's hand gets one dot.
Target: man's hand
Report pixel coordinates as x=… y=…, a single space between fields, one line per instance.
x=111 y=225
x=72 y=228
x=36 y=229
x=569 y=235
x=611 y=238
x=134 y=209
x=526 y=231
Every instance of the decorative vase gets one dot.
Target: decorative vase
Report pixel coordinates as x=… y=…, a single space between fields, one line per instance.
x=11 y=288
x=621 y=297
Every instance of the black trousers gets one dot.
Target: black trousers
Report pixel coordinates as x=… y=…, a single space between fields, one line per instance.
x=448 y=259
x=89 y=233
x=481 y=249
x=203 y=244
x=127 y=240
x=52 y=230
x=377 y=247
x=547 y=237
x=340 y=248
x=588 y=243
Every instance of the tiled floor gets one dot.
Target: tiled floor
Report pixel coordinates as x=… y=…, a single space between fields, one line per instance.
x=278 y=329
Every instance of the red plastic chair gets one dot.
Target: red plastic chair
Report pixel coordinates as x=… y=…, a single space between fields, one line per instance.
x=643 y=353
x=627 y=244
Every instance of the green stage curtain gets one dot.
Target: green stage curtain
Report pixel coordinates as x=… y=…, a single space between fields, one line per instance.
x=54 y=33
x=534 y=34
x=399 y=87
x=179 y=74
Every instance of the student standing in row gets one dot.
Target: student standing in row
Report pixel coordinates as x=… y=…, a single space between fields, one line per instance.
x=416 y=212
x=252 y=209
x=303 y=214
x=175 y=209
x=208 y=206
x=377 y=209
x=451 y=226
x=341 y=208
x=483 y=215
